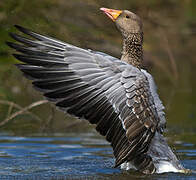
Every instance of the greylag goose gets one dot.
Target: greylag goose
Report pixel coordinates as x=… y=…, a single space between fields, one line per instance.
x=115 y=94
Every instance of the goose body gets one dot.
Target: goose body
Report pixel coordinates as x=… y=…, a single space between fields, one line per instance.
x=116 y=95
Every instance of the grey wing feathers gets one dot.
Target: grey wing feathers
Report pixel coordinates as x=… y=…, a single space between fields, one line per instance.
x=94 y=86
x=138 y=114
x=159 y=105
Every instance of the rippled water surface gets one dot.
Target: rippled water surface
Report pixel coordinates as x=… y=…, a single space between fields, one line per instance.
x=73 y=156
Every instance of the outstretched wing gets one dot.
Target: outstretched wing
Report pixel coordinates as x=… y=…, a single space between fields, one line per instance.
x=92 y=85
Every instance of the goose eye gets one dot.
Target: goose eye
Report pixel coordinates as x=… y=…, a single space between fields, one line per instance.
x=127 y=16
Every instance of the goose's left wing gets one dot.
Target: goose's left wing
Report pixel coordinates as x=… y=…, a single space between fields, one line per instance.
x=104 y=90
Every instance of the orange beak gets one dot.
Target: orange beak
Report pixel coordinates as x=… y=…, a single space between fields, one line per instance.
x=111 y=13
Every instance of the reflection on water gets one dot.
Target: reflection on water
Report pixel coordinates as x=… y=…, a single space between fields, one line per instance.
x=72 y=156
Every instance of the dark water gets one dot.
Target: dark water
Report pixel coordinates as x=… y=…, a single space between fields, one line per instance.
x=73 y=156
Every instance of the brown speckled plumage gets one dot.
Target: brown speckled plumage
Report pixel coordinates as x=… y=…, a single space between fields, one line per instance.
x=132 y=52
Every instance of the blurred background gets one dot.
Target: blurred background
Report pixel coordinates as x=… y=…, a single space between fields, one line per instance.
x=45 y=143
x=169 y=50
